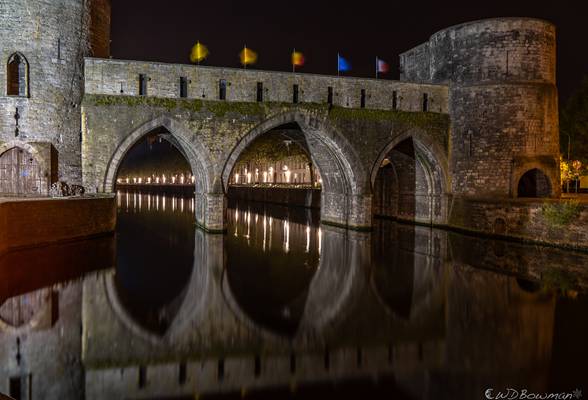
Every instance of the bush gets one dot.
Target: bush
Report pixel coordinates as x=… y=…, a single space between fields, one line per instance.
x=560 y=213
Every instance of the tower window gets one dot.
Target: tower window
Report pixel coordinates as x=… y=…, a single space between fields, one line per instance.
x=59 y=49
x=143 y=85
x=295 y=94
x=259 y=91
x=183 y=87
x=362 y=99
x=17 y=76
x=222 y=89
x=330 y=95
x=425 y=102
x=395 y=100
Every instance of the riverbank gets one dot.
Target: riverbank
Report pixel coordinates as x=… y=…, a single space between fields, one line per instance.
x=289 y=196
x=29 y=222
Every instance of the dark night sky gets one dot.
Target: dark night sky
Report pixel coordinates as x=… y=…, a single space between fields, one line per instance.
x=166 y=30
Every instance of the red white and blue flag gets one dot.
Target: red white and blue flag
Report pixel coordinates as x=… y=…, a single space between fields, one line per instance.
x=381 y=66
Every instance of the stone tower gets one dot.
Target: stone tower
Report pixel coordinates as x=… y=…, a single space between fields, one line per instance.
x=42 y=52
x=503 y=104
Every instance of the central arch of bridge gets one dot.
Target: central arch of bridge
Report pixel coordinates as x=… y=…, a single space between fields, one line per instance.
x=409 y=180
x=344 y=198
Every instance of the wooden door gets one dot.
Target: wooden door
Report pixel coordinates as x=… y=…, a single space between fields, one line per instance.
x=20 y=174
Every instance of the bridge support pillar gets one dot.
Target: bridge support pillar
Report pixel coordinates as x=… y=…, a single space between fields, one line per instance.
x=360 y=212
x=210 y=212
x=347 y=210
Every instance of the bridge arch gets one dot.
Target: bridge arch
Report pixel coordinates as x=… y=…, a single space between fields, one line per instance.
x=345 y=199
x=191 y=148
x=418 y=175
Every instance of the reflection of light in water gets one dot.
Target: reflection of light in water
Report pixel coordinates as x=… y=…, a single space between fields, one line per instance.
x=149 y=202
x=264 y=230
x=140 y=202
x=182 y=205
x=286 y=236
x=270 y=233
x=127 y=202
x=248 y=219
x=307 y=238
x=135 y=201
x=118 y=199
x=320 y=239
x=192 y=205
x=173 y=204
x=163 y=203
x=157 y=203
x=236 y=222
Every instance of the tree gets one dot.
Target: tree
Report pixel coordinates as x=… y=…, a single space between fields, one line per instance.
x=573 y=124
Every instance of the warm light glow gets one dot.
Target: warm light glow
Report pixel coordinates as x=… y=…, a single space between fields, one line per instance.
x=264 y=176
x=237 y=178
x=287 y=173
x=307 y=238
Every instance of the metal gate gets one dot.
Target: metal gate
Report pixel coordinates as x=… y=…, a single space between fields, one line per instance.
x=20 y=174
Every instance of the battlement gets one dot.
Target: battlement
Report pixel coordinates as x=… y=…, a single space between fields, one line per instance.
x=120 y=77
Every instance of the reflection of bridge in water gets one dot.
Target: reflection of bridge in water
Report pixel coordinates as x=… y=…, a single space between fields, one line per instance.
x=283 y=301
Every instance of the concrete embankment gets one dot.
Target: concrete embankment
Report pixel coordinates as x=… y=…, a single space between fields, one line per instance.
x=298 y=197
x=28 y=222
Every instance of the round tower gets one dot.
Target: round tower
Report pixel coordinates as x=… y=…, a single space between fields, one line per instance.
x=503 y=104
x=42 y=52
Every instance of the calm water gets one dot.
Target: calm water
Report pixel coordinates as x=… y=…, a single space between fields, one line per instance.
x=283 y=307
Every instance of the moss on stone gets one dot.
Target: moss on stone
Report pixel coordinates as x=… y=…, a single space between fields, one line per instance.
x=428 y=120
x=135 y=101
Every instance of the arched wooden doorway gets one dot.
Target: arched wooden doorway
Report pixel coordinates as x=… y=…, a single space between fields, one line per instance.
x=20 y=173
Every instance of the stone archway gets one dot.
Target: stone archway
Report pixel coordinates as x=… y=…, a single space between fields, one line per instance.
x=209 y=209
x=345 y=199
x=534 y=183
x=409 y=180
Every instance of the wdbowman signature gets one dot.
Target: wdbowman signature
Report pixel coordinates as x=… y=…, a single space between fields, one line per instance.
x=524 y=394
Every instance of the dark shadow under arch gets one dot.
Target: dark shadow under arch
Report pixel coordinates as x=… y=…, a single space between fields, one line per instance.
x=534 y=183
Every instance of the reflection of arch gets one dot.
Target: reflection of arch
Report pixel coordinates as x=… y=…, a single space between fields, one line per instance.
x=17 y=76
x=534 y=183
x=418 y=175
x=25 y=312
x=339 y=166
x=195 y=153
x=23 y=170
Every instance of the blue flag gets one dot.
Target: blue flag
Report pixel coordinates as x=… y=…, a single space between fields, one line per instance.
x=342 y=64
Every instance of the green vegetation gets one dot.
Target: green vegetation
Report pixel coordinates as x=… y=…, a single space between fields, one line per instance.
x=427 y=120
x=574 y=124
x=558 y=214
x=217 y=108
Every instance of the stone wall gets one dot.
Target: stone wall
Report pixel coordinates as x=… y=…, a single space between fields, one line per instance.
x=529 y=220
x=31 y=222
x=119 y=77
x=53 y=37
x=503 y=100
x=310 y=198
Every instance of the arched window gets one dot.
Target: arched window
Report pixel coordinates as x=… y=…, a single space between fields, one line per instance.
x=17 y=82
x=534 y=183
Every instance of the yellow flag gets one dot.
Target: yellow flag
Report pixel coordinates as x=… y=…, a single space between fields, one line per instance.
x=248 y=56
x=199 y=52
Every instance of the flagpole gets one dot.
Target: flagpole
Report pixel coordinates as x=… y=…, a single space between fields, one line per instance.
x=245 y=56
x=292 y=60
x=377 y=67
x=337 y=64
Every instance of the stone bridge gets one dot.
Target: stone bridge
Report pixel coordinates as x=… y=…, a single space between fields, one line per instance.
x=474 y=116
x=347 y=142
